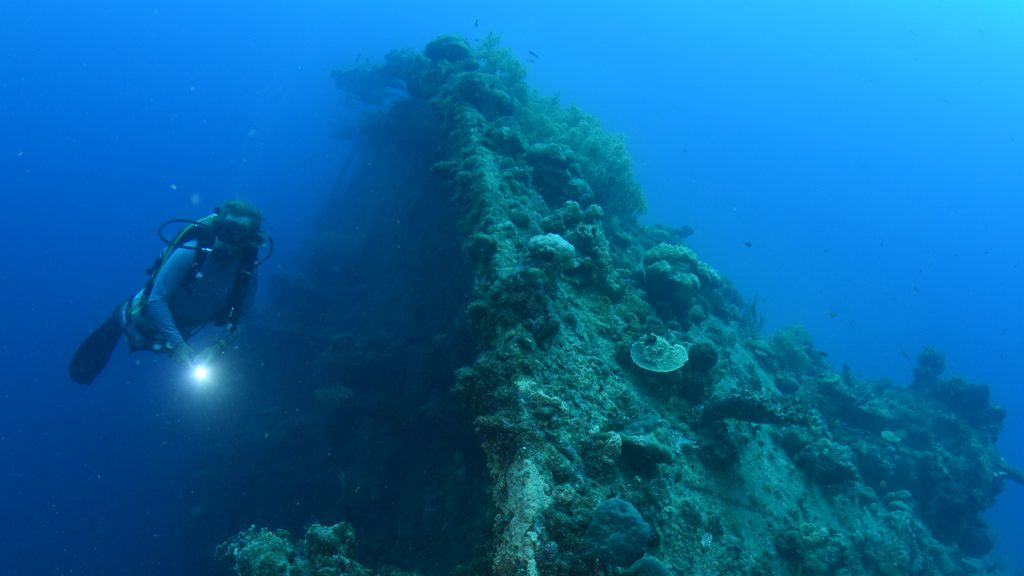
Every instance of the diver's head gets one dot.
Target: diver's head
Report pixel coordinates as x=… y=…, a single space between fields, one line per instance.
x=237 y=226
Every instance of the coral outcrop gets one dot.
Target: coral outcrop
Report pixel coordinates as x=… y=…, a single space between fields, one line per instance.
x=323 y=551
x=482 y=266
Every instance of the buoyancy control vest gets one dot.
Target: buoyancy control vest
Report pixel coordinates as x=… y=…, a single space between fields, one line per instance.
x=203 y=233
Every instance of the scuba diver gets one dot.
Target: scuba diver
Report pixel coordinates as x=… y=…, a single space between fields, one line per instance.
x=206 y=274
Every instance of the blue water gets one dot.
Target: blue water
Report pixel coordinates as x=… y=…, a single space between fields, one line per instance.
x=857 y=166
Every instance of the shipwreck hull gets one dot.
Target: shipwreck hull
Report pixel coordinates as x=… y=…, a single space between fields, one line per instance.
x=473 y=316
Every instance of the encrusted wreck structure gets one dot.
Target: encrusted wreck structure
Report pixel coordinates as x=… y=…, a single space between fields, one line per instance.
x=488 y=366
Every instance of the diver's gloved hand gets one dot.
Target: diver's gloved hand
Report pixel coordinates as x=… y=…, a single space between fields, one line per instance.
x=184 y=355
x=211 y=352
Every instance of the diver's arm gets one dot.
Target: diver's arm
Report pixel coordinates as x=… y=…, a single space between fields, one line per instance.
x=249 y=302
x=223 y=342
x=226 y=339
x=168 y=279
x=230 y=334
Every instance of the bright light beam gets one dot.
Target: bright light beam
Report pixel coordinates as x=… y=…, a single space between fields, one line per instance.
x=201 y=374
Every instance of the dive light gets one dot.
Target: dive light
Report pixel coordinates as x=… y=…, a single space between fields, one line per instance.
x=200 y=373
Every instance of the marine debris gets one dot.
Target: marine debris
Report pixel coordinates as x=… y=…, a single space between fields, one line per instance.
x=452 y=373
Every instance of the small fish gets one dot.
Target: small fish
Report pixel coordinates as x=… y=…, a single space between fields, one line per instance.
x=832 y=313
x=534 y=54
x=748 y=243
x=904 y=353
x=915 y=289
x=823 y=354
x=476 y=23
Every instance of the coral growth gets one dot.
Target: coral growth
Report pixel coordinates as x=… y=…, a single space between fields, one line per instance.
x=616 y=534
x=520 y=279
x=323 y=551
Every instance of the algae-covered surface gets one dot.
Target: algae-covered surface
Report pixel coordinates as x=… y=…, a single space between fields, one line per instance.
x=534 y=383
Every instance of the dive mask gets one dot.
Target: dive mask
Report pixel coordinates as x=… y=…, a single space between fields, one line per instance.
x=230 y=232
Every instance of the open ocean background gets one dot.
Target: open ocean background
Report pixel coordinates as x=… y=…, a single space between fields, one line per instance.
x=856 y=166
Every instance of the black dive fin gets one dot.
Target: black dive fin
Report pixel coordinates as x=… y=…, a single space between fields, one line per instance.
x=94 y=352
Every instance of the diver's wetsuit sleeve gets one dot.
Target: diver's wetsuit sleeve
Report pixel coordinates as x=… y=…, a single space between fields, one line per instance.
x=231 y=333
x=168 y=279
x=249 y=303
